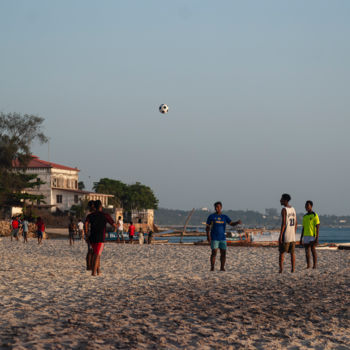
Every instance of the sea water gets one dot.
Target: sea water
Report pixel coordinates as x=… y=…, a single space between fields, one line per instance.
x=327 y=235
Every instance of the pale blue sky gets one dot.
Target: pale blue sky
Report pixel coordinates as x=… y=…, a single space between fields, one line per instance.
x=258 y=93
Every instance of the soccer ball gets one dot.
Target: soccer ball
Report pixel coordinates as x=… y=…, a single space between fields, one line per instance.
x=163 y=108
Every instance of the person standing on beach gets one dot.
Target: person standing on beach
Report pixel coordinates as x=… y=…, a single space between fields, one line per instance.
x=216 y=226
x=25 y=226
x=288 y=230
x=81 y=229
x=98 y=221
x=141 y=239
x=15 y=228
x=40 y=229
x=90 y=252
x=309 y=234
x=72 y=229
x=131 y=232
x=120 y=226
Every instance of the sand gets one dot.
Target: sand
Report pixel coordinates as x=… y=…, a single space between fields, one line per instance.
x=164 y=297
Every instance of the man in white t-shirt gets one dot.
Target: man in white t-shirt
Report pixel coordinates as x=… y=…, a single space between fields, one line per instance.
x=288 y=230
x=120 y=226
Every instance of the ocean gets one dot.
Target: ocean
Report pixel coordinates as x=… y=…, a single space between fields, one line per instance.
x=327 y=235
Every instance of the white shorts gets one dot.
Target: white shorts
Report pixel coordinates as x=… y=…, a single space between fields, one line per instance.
x=308 y=239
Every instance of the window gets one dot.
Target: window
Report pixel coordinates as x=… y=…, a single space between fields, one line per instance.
x=54 y=182
x=76 y=184
x=38 y=182
x=59 y=198
x=76 y=199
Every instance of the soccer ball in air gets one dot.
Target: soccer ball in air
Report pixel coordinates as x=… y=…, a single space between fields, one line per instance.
x=163 y=108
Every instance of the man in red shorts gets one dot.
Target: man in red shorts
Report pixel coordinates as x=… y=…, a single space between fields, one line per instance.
x=98 y=221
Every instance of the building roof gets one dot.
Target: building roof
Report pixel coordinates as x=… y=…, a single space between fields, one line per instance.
x=35 y=162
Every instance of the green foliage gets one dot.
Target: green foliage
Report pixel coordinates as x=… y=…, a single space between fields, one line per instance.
x=17 y=133
x=135 y=196
x=81 y=185
x=79 y=210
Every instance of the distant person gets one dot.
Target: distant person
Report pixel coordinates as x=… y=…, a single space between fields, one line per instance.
x=81 y=229
x=120 y=226
x=141 y=238
x=72 y=229
x=98 y=221
x=40 y=229
x=150 y=237
x=15 y=226
x=131 y=232
x=90 y=252
x=309 y=234
x=25 y=228
x=288 y=230
x=216 y=227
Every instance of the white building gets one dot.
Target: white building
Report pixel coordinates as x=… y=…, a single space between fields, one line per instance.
x=60 y=190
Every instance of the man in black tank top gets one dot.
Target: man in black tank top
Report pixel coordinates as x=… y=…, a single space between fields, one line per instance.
x=98 y=221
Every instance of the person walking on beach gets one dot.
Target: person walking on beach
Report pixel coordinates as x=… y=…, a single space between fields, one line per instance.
x=25 y=226
x=81 y=229
x=15 y=228
x=141 y=239
x=131 y=232
x=72 y=229
x=98 y=221
x=309 y=234
x=216 y=226
x=40 y=229
x=90 y=252
x=120 y=226
x=288 y=230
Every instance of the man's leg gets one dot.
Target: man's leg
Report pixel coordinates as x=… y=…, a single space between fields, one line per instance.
x=222 y=259
x=292 y=260
x=212 y=259
x=94 y=265
x=281 y=259
x=314 y=255
x=89 y=256
x=98 y=264
x=307 y=255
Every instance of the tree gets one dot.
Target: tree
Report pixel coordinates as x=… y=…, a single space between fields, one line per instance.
x=140 y=196
x=114 y=187
x=81 y=185
x=17 y=133
x=135 y=196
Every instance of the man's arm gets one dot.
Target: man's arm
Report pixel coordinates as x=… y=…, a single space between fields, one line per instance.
x=86 y=227
x=283 y=225
x=317 y=233
x=235 y=223
x=302 y=235
x=207 y=228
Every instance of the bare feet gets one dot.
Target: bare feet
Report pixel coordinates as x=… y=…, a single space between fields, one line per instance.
x=222 y=269
x=212 y=268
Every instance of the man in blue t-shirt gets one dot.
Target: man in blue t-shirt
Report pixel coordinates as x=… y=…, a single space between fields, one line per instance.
x=216 y=225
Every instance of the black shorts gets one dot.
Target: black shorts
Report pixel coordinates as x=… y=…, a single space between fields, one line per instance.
x=287 y=247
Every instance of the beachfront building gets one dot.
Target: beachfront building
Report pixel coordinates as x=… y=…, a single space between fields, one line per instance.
x=60 y=188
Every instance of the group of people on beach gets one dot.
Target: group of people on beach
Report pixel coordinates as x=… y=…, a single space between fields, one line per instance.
x=18 y=224
x=94 y=233
x=216 y=226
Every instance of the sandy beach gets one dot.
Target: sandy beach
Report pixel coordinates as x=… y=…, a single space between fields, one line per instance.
x=164 y=297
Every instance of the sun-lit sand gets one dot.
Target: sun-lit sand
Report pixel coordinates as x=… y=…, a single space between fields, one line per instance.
x=164 y=297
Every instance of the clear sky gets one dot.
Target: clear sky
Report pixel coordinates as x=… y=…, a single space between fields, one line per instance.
x=258 y=95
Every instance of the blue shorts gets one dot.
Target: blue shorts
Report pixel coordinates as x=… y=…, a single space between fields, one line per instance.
x=39 y=233
x=218 y=244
